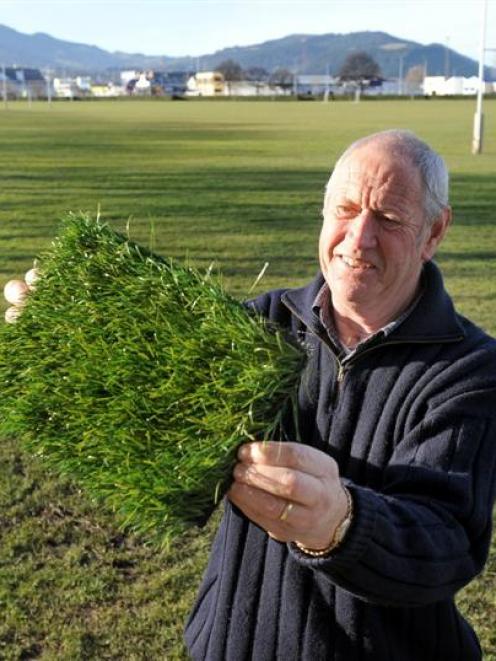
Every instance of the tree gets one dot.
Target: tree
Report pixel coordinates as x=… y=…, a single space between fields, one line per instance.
x=414 y=79
x=415 y=74
x=257 y=74
x=358 y=67
x=231 y=70
x=281 y=78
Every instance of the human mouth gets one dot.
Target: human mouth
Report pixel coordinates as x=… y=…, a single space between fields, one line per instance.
x=356 y=264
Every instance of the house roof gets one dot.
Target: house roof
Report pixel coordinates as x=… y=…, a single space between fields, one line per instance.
x=23 y=74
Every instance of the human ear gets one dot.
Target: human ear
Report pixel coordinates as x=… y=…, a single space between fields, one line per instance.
x=436 y=233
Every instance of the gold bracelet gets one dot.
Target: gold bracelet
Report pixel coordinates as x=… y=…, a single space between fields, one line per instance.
x=339 y=532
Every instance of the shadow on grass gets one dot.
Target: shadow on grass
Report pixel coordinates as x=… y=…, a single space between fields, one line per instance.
x=465 y=256
x=201 y=210
x=16 y=257
x=472 y=199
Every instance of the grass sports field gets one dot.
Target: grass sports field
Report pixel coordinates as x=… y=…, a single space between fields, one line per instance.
x=238 y=183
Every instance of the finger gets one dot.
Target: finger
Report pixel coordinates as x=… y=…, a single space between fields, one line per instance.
x=283 y=482
x=15 y=291
x=12 y=314
x=265 y=510
x=291 y=455
x=31 y=277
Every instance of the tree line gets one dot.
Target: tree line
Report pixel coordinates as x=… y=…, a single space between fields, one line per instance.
x=357 y=67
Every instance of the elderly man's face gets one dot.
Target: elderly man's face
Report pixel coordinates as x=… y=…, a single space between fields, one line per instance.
x=374 y=239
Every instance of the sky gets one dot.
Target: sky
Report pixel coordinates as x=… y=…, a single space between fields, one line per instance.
x=197 y=27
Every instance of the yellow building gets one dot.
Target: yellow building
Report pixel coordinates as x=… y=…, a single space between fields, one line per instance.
x=206 y=83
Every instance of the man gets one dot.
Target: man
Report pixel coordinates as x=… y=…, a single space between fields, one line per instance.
x=352 y=544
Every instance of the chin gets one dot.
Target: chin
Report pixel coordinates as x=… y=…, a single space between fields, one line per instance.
x=355 y=294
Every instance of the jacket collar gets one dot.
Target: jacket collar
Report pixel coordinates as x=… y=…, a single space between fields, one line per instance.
x=433 y=319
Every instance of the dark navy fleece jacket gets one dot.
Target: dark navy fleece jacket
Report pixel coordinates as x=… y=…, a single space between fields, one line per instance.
x=411 y=421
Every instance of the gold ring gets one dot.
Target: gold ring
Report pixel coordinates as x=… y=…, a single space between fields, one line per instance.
x=286 y=511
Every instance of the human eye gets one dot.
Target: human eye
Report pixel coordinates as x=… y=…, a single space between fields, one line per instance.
x=389 y=221
x=344 y=211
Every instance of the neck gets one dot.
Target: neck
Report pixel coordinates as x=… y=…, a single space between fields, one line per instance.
x=354 y=323
x=353 y=329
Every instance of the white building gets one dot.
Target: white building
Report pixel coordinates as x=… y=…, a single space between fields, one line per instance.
x=456 y=85
x=72 y=88
x=253 y=88
x=212 y=83
x=126 y=76
x=206 y=83
x=83 y=83
x=143 y=85
x=66 y=88
x=316 y=85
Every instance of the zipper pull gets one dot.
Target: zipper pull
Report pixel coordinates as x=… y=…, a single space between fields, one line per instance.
x=337 y=386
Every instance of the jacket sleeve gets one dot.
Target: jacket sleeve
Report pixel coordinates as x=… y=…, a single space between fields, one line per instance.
x=270 y=306
x=427 y=532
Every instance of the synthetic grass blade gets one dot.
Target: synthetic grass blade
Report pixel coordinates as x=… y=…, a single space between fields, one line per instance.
x=139 y=377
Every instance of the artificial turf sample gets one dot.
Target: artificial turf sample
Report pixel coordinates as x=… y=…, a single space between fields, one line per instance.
x=139 y=377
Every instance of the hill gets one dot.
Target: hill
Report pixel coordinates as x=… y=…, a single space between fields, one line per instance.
x=314 y=53
x=43 y=51
x=301 y=52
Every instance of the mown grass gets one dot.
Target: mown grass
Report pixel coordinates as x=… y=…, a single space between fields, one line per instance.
x=144 y=410
x=240 y=183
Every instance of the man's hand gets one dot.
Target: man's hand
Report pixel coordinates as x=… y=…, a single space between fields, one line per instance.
x=16 y=291
x=291 y=490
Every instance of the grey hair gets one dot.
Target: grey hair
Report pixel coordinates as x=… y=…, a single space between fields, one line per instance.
x=429 y=164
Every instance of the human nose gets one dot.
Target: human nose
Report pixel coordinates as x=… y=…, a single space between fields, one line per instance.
x=362 y=230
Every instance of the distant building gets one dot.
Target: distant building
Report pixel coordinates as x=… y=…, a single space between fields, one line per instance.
x=65 y=88
x=83 y=84
x=393 y=88
x=23 y=83
x=213 y=83
x=155 y=83
x=129 y=78
x=206 y=83
x=143 y=86
x=170 y=83
x=107 y=90
x=316 y=85
x=72 y=88
x=253 y=88
x=128 y=75
x=455 y=85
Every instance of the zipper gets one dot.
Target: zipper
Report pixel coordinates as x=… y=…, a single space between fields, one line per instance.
x=337 y=386
x=341 y=369
x=356 y=358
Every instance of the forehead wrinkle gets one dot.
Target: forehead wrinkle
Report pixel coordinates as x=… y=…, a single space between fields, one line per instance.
x=377 y=183
x=363 y=187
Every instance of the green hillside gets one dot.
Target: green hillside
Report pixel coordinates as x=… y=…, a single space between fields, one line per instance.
x=305 y=53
